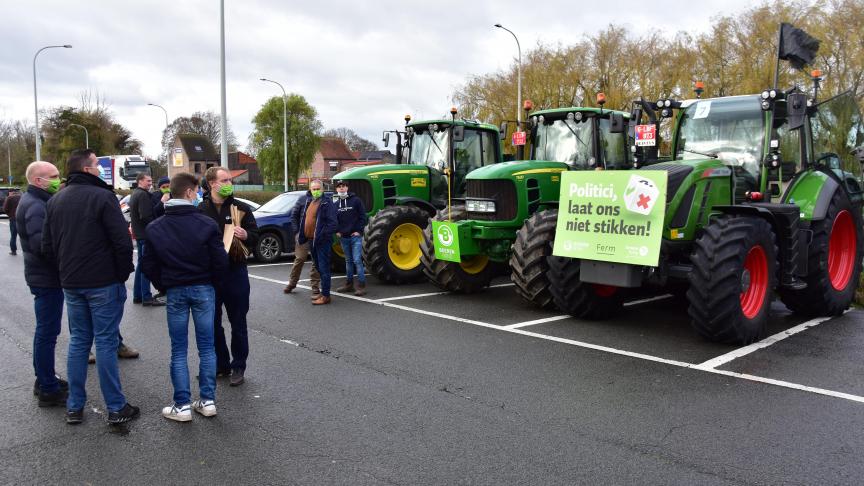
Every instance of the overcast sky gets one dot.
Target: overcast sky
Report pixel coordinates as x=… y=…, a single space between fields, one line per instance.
x=363 y=65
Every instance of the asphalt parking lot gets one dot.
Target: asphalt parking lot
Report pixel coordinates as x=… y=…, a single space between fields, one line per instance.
x=409 y=385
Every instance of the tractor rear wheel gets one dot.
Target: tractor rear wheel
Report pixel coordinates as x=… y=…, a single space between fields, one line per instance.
x=337 y=257
x=391 y=244
x=733 y=277
x=578 y=298
x=833 y=264
x=528 y=261
x=471 y=275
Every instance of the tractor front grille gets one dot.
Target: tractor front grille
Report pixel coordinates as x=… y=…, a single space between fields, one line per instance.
x=502 y=191
x=363 y=189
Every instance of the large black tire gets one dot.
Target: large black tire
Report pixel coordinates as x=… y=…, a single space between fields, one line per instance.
x=834 y=252
x=337 y=257
x=528 y=260
x=577 y=298
x=452 y=276
x=379 y=237
x=732 y=281
x=269 y=247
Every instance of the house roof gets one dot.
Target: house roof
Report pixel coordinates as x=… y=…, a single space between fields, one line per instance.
x=235 y=173
x=335 y=148
x=375 y=155
x=197 y=147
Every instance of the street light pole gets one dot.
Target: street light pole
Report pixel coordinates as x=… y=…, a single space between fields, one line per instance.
x=224 y=155
x=167 y=155
x=36 y=99
x=86 y=134
x=284 y=127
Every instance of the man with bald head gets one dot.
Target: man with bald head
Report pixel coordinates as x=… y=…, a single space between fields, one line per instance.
x=41 y=275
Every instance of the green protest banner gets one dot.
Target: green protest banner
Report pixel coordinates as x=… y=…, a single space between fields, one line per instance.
x=612 y=216
x=445 y=236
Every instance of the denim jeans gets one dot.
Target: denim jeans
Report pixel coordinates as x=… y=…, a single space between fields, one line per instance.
x=95 y=314
x=48 y=304
x=13 y=230
x=141 y=287
x=321 y=258
x=233 y=293
x=353 y=248
x=201 y=301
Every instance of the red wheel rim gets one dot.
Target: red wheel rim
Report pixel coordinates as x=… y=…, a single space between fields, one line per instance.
x=841 y=250
x=604 y=290
x=754 y=289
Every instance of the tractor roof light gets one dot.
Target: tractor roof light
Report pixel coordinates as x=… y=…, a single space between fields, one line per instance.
x=772 y=93
x=699 y=88
x=533 y=121
x=666 y=113
x=660 y=103
x=816 y=74
x=541 y=119
x=578 y=116
x=571 y=116
x=528 y=105
x=667 y=103
x=766 y=105
x=407 y=119
x=433 y=127
x=765 y=95
x=601 y=98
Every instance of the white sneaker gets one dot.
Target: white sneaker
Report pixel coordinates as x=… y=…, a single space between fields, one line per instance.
x=206 y=408
x=182 y=413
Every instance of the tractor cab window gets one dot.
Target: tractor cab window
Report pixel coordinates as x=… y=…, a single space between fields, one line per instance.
x=730 y=129
x=429 y=146
x=473 y=152
x=837 y=130
x=565 y=140
x=613 y=146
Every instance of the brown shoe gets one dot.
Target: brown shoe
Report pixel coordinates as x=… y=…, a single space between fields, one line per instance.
x=315 y=294
x=125 y=352
x=346 y=287
x=290 y=287
x=361 y=289
x=321 y=300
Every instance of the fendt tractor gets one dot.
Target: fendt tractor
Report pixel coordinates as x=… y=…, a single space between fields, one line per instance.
x=760 y=199
x=401 y=198
x=500 y=221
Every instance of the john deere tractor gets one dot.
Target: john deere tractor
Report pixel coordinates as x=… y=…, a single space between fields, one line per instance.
x=400 y=198
x=760 y=199
x=500 y=221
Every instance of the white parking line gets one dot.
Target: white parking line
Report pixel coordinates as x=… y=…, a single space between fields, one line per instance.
x=274 y=264
x=650 y=299
x=537 y=321
x=605 y=349
x=414 y=296
x=744 y=351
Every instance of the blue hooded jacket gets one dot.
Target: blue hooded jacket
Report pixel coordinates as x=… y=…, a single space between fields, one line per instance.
x=325 y=220
x=351 y=215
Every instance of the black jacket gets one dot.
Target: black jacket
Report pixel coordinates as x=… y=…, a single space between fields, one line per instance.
x=350 y=214
x=30 y=217
x=247 y=221
x=158 y=205
x=86 y=234
x=325 y=220
x=140 y=212
x=297 y=212
x=184 y=247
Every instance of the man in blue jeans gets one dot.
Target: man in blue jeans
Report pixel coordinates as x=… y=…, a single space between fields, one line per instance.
x=186 y=258
x=317 y=224
x=351 y=216
x=141 y=213
x=41 y=275
x=86 y=235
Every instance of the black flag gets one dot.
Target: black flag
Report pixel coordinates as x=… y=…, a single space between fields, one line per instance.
x=797 y=46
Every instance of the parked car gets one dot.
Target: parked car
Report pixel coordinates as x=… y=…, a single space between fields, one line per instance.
x=252 y=204
x=274 y=226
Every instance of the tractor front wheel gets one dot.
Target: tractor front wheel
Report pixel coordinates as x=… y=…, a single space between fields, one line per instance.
x=577 y=298
x=391 y=244
x=733 y=277
x=528 y=261
x=470 y=275
x=833 y=264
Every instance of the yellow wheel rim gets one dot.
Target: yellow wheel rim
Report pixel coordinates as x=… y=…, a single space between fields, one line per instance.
x=474 y=264
x=337 y=249
x=403 y=246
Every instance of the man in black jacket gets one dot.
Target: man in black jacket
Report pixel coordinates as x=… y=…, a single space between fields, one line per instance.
x=140 y=215
x=317 y=225
x=43 y=280
x=186 y=259
x=86 y=235
x=10 y=204
x=302 y=252
x=234 y=291
x=351 y=216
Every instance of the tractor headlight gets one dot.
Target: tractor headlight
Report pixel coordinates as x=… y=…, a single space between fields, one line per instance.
x=766 y=94
x=475 y=206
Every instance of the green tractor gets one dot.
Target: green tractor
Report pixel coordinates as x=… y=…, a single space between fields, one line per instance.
x=400 y=198
x=760 y=199
x=500 y=222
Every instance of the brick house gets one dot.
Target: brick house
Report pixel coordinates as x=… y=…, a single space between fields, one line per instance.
x=332 y=157
x=244 y=169
x=193 y=154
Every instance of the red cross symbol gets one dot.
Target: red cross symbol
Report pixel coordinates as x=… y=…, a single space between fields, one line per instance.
x=643 y=201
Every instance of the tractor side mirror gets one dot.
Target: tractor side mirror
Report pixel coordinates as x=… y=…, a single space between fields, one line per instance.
x=796 y=110
x=386 y=139
x=616 y=123
x=503 y=131
x=458 y=133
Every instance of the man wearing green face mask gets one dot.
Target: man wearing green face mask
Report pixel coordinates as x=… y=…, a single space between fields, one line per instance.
x=44 y=282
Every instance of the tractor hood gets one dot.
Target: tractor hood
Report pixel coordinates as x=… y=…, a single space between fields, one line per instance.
x=373 y=171
x=507 y=170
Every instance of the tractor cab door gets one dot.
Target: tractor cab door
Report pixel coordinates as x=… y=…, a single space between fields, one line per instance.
x=837 y=131
x=612 y=147
x=474 y=149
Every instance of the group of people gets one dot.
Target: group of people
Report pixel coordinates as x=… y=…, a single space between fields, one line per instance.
x=77 y=249
x=315 y=219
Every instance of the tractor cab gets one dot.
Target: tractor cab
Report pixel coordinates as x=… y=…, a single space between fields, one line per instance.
x=584 y=139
